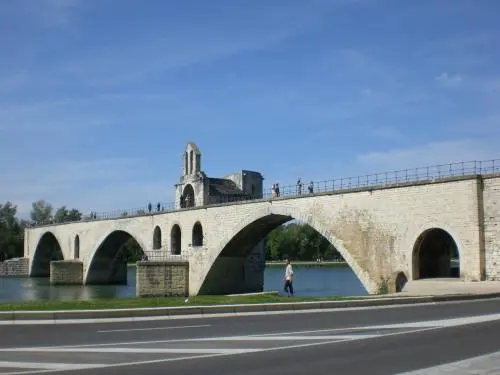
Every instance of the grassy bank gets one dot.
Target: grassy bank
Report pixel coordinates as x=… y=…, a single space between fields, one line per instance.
x=123 y=303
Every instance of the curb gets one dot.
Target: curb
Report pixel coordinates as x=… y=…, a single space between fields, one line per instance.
x=43 y=317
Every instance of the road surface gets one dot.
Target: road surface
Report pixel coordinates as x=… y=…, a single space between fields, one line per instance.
x=446 y=338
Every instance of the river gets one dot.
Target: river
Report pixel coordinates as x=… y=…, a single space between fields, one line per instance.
x=309 y=281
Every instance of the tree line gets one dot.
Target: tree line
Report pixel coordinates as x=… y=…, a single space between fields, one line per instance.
x=12 y=228
x=294 y=241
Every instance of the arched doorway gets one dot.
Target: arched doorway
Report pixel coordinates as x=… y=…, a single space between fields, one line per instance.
x=197 y=237
x=188 y=196
x=175 y=240
x=77 y=247
x=435 y=255
x=157 y=238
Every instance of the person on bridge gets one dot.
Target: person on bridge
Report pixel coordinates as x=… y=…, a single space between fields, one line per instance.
x=288 y=279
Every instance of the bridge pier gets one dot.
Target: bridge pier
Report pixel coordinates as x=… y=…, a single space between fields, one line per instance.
x=66 y=272
x=162 y=278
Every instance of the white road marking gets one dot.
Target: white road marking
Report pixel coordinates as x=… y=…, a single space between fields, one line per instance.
x=223 y=315
x=485 y=365
x=165 y=360
x=413 y=327
x=132 y=350
x=48 y=366
x=408 y=325
x=152 y=328
x=286 y=338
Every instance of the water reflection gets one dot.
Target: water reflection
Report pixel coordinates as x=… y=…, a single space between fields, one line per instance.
x=317 y=281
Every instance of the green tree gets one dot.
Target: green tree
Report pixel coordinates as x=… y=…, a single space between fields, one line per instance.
x=63 y=215
x=11 y=232
x=41 y=211
x=299 y=242
x=132 y=251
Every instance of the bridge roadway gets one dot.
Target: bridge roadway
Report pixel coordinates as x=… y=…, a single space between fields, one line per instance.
x=411 y=340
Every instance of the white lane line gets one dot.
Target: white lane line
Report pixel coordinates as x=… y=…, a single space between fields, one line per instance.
x=133 y=350
x=152 y=328
x=488 y=364
x=423 y=324
x=48 y=365
x=287 y=338
x=165 y=360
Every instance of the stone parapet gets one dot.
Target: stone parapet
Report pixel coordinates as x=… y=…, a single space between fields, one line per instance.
x=162 y=278
x=66 y=272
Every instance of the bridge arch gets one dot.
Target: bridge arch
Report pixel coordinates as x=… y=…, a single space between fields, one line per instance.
x=436 y=254
x=107 y=264
x=47 y=249
x=175 y=240
x=197 y=235
x=254 y=229
x=157 y=238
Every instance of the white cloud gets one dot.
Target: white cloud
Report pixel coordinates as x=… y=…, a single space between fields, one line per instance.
x=449 y=81
x=429 y=154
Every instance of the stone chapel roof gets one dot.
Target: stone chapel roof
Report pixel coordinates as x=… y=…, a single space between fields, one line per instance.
x=222 y=186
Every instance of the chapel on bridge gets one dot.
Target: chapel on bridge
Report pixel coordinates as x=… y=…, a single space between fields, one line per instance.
x=196 y=189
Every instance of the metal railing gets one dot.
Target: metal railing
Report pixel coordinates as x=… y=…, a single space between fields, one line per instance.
x=419 y=174
x=161 y=256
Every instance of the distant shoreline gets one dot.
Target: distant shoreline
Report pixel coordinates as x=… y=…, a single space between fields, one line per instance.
x=297 y=263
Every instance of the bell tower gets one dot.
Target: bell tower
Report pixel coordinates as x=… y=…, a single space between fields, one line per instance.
x=190 y=191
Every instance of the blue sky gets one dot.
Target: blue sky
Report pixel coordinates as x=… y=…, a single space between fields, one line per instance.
x=98 y=98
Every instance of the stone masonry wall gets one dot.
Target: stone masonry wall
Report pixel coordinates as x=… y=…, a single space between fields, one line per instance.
x=374 y=229
x=66 y=272
x=162 y=278
x=491 y=194
x=18 y=267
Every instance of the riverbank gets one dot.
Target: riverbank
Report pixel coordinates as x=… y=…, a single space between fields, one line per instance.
x=135 y=302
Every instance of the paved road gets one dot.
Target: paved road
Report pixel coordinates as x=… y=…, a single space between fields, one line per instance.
x=410 y=340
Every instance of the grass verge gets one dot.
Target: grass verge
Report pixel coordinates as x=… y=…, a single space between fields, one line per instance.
x=124 y=303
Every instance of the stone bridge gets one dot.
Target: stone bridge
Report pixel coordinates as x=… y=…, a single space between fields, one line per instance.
x=386 y=234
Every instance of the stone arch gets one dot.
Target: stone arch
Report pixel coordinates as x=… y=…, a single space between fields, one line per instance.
x=176 y=240
x=416 y=232
x=197 y=235
x=433 y=254
x=188 y=194
x=107 y=264
x=252 y=230
x=157 y=238
x=47 y=249
x=76 y=248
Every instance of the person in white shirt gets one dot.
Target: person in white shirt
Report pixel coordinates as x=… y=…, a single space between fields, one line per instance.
x=288 y=279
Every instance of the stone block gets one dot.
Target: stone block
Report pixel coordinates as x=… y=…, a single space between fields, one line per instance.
x=66 y=272
x=162 y=278
x=18 y=267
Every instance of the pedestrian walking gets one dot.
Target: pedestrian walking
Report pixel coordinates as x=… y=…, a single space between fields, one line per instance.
x=288 y=279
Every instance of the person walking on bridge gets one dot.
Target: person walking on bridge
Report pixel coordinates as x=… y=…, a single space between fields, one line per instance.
x=288 y=279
